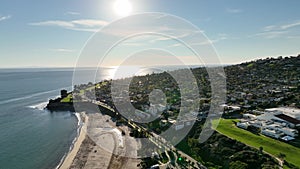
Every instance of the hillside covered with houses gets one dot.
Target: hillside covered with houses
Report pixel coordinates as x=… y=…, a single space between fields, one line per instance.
x=263 y=97
x=264 y=83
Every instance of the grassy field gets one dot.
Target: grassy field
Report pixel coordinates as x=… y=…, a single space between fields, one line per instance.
x=67 y=99
x=272 y=146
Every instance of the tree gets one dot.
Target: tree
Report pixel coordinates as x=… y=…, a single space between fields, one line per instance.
x=261 y=149
x=238 y=165
x=281 y=156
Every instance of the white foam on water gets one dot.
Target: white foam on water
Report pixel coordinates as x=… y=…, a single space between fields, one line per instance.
x=79 y=123
x=39 y=106
x=30 y=96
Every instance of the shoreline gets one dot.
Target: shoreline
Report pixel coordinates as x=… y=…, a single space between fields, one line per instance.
x=67 y=160
x=78 y=130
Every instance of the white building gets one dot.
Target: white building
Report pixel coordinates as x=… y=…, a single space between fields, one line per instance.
x=273 y=123
x=289 y=131
x=256 y=123
x=249 y=116
x=271 y=133
x=242 y=125
x=287 y=138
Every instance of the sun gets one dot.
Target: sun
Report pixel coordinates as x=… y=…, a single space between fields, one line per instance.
x=122 y=7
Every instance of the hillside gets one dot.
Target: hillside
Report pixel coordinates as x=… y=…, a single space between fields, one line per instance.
x=265 y=83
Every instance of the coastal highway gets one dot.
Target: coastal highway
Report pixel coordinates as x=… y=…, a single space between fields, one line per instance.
x=153 y=137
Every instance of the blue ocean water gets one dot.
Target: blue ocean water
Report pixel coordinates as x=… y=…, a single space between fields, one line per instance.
x=31 y=137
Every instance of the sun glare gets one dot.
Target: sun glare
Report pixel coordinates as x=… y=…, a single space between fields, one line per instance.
x=122 y=7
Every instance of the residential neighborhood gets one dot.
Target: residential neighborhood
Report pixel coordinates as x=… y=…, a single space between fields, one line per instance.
x=261 y=113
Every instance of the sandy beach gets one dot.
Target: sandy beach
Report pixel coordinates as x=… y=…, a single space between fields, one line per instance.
x=101 y=145
x=82 y=135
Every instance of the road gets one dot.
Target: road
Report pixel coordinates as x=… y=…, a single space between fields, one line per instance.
x=153 y=137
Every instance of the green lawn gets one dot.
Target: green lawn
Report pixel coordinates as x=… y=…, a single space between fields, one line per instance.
x=67 y=99
x=227 y=127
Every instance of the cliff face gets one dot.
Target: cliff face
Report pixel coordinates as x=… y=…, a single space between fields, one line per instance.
x=56 y=105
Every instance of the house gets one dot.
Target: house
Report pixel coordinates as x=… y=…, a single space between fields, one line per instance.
x=258 y=112
x=231 y=108
x=172 y=121
x=249 y=116
x=247 y=106
x=256 y=123
x=163 y=123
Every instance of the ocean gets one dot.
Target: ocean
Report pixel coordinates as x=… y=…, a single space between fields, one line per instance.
x=30 y=136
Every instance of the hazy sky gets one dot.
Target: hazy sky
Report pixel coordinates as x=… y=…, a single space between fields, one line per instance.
x=52 y=33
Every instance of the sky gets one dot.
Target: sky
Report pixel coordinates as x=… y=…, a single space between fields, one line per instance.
x=54 y=33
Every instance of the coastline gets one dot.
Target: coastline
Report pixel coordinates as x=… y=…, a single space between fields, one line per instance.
x=70 y=156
